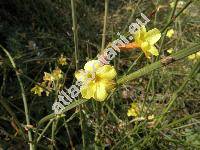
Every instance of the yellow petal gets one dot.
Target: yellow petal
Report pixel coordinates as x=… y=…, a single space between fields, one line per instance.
x=143 y=30
x=57 y=73
x=145 y=48
x=170 y=33
x=139 y=35
x=48 y=77
x=198 y=54
x=191 y=57
x=100 y=94
x=152 y=36
x=37 y=90
x=133 y=110
x=172 y=4
x=88 y=91
x=47 y=93
x=92 y=66
x=129 y=113
x=151 y=117
x=170 y=50
x=62 y=60
x=154 y=51
x=106 y=72
x=109 y=84
x=81 y=75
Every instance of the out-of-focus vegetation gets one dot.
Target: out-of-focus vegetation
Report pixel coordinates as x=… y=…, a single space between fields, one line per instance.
x=37 y=33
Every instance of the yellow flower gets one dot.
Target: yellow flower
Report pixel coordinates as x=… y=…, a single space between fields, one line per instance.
x=198 y=54
x=43 y=84
x=57 y=74
x=37 y=90
x=146 y=40
x=97 y=80
x=194 y=56
x=151 y=117
x=62 y=60
x=133 y=110
x=171 y=50
x=172 y=4
x=180 y=4
x=170 y=33
x=48 y=77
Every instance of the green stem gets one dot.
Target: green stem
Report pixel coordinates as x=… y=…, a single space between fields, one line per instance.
x=175 y=95
x=112 y=112
x=134 y=63
x=44 y=130
x=76 y=60
x=82 y=126
x=54 y=124
x=74 y=28
x=164 y=31
x=4 y=81
x=147 y=69
x=67 y=108
x=104 y=25
x=152 y=78
x=134 y=9
x=23 y=96
x=172 y=19
x=178 y=121
x=171 y=102
x=70 y=139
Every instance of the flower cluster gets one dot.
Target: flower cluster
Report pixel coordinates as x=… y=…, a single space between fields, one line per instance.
x=135 y=111
x=51 y=81
x=194 y=57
